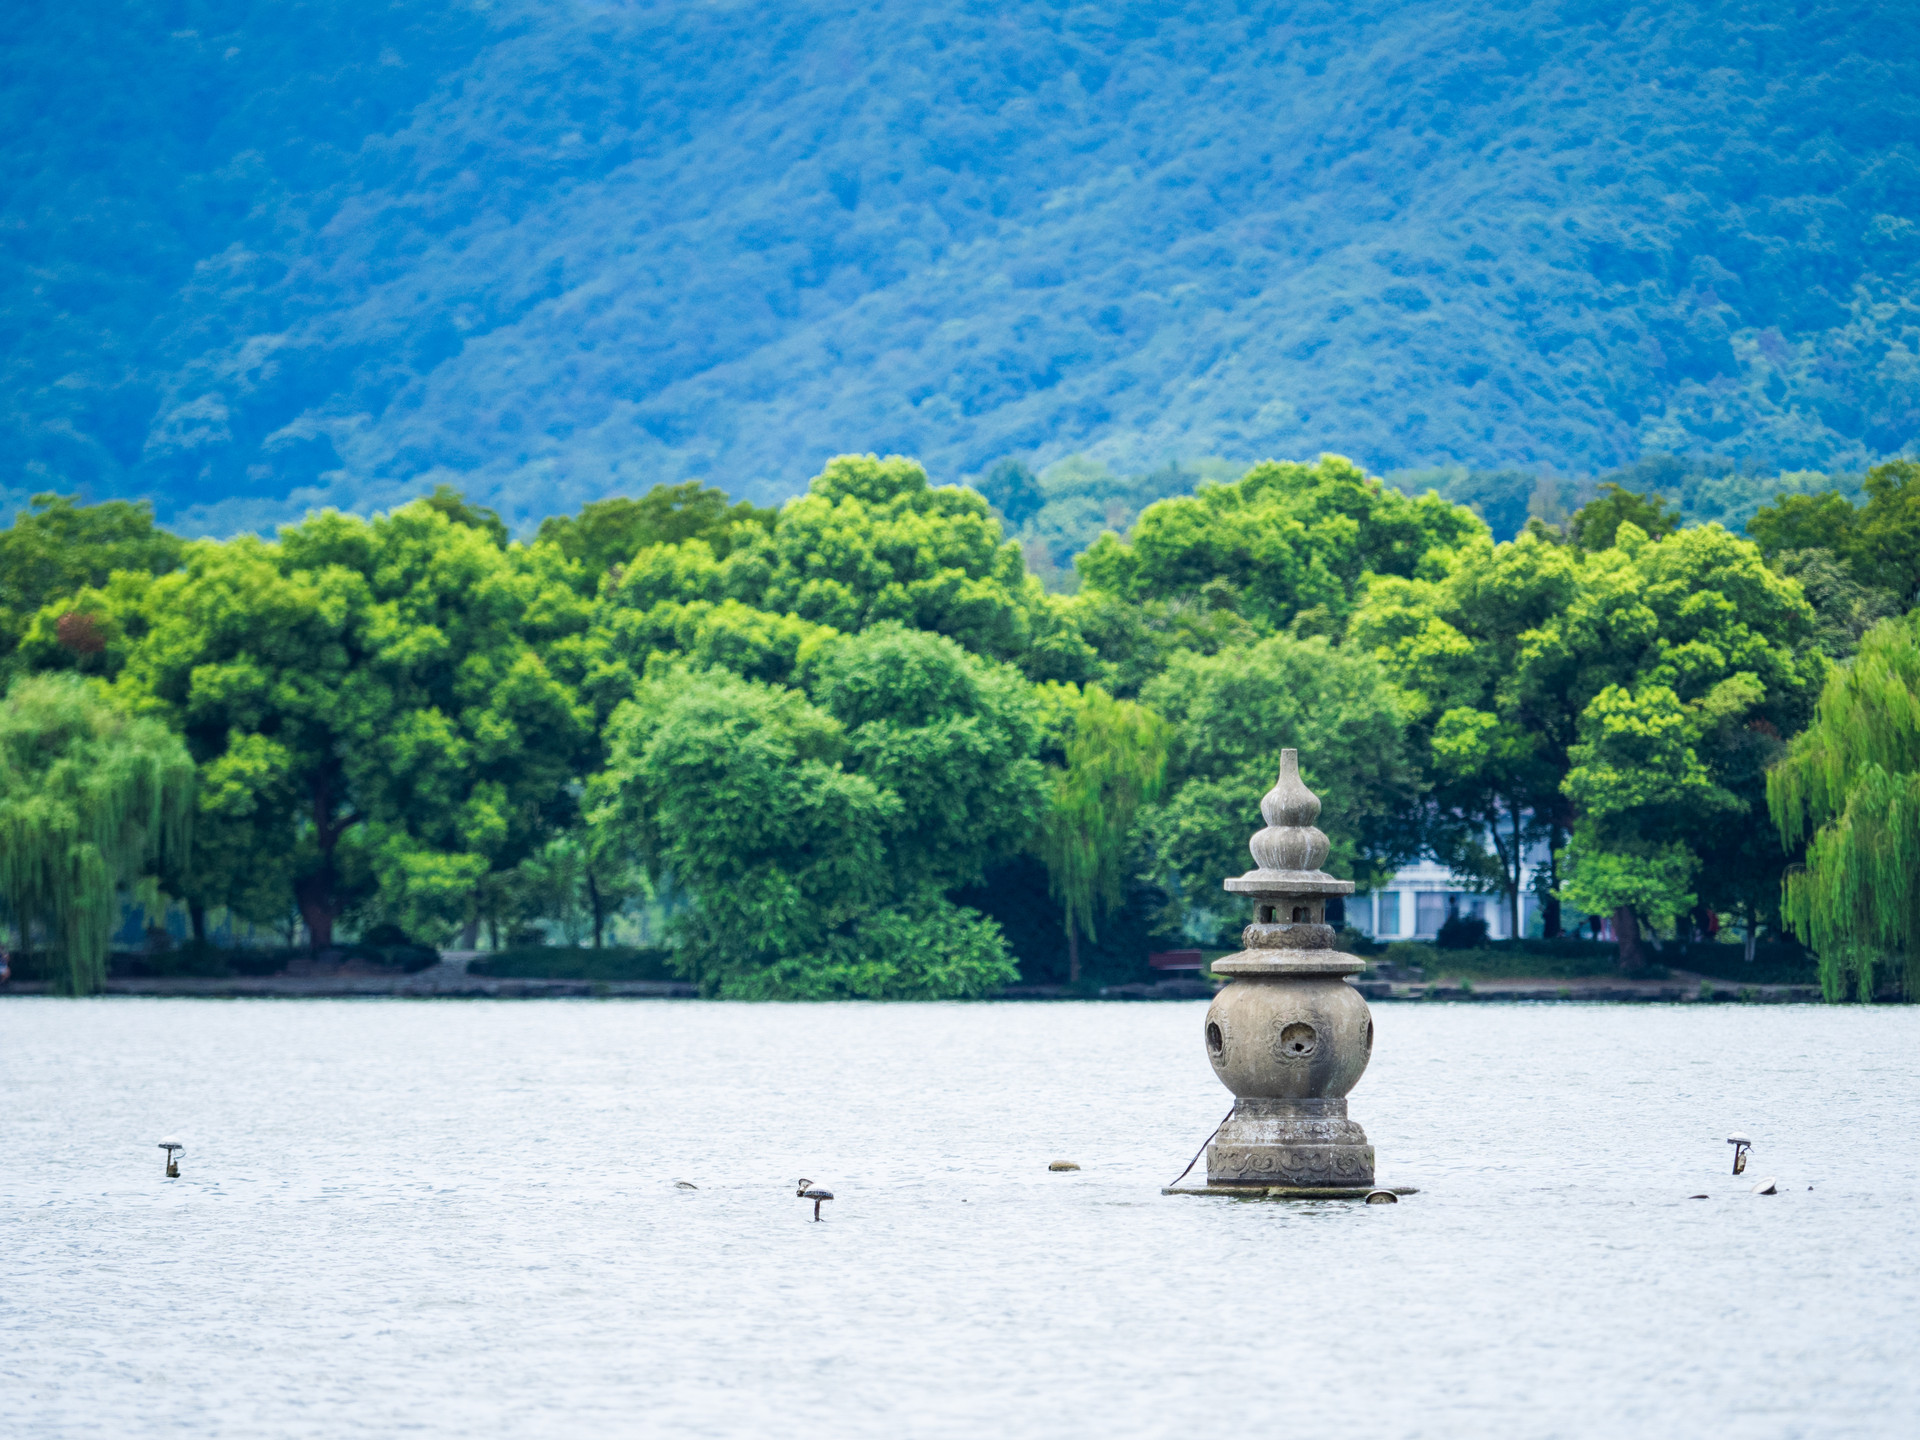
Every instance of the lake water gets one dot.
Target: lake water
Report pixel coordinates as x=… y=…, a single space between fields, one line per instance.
x=447 y=1218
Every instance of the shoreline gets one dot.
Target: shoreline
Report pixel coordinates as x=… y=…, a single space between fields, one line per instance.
x=449 y=981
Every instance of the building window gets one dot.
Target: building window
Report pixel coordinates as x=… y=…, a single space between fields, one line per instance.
x=1429 y=912
x=1389 y=922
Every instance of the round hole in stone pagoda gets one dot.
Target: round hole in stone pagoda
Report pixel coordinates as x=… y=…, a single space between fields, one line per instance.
x=1298 y=1040
x=1216 y=1042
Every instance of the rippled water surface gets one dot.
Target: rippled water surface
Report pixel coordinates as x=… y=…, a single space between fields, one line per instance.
x=449 y=1218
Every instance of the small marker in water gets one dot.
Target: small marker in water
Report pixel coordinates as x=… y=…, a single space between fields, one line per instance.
x=171 y=1145
x=685 y=1185
x=1382 y=1197
x=1063 y=1165
x=1740 y=1145
x=1766 y=1187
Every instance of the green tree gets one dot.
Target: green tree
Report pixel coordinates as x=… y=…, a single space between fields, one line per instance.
x=1013 y=489
x=1844 y=609
x=1850 y=787
x=1493 y=749
x=609 y=533
x=872 y=541
x=91 y=799
x=1596 y=523
x=1134 y=640
x=1879 y=540
x=1805 y=522
x=1282 y=543
x=1885 y=548
x=815 y=838
x=1683 y=658
x=1233 y=713
x=60 y=547
x=367 y=703
x=458 y=509
x=1116 y=762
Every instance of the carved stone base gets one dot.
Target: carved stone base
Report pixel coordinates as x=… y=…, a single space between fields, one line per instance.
x=1299 y=1143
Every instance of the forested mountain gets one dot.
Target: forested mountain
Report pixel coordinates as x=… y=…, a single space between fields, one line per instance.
x=256 y=257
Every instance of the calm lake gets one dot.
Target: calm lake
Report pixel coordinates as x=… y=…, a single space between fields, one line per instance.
x=448 y=1218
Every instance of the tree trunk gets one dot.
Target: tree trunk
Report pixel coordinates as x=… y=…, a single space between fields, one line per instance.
x=1753 y=937
x=1550 y=902
x=1626 y=930
x=1519 y=869
x=599 y=904
x=197 y=915
x=1073 y=954
x=314 y=895
x=470 y=933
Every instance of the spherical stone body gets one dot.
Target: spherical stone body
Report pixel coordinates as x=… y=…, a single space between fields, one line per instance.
x=1293 y=1037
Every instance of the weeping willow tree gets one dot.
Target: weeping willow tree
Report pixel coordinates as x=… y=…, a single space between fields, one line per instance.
x=90 y=797
x=1850 y=785
x=1116 y=762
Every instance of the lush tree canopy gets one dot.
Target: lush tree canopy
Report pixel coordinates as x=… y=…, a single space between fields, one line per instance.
x=366 y=701
x=1232 y=714
x=1850 y=788
x=1285 y=544
x=815 y=750
x=60 y=547
x=818 y=832
x=90 y=799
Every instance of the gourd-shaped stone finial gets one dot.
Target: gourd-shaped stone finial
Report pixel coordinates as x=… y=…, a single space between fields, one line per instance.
x=1291 y=842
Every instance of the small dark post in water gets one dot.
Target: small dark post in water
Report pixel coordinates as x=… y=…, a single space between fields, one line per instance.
x=809 y=1191
x=1740 y=1144
x=172 y=1146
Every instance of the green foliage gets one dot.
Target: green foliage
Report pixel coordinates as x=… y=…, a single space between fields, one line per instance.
x=259 y=254
x=1493 y=749
x=372 y=720
x=1504 y=499
x=831 y=747
x=1116 y=762
x=1595 y=524
x=1879 y=541
x=455 y=506
x=1013 y=490
x=1688 y=659
x=90 y=797
x=611 y=532
x=1886 y=547
x=1284 y=542
x=1844 y=610
x=816 y=836
x=1232 y=715
x=1826 y=522
x=60 y=547
x=1850 y=787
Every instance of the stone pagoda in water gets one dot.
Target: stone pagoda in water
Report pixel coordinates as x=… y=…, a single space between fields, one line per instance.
x=1288 y=1035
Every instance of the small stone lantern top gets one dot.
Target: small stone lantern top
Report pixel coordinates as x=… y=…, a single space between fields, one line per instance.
x=1289 y=934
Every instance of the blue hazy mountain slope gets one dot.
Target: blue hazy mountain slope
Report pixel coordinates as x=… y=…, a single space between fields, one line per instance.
x=257 y=256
